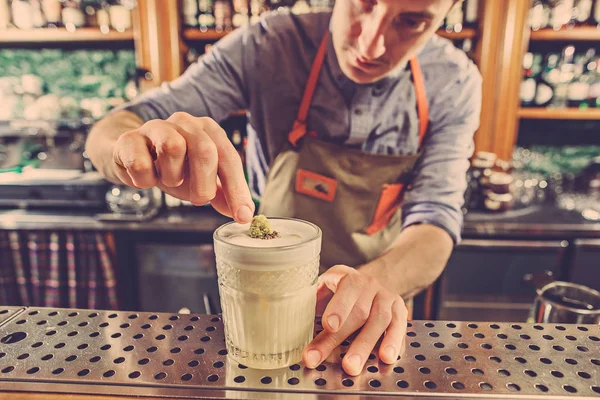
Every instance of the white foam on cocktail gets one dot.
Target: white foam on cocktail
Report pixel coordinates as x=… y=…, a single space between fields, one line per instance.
x=290 y=233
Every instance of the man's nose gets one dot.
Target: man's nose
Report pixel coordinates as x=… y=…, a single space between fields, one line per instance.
x=371 y=41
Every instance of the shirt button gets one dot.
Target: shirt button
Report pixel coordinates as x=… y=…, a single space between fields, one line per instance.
x=358 y=111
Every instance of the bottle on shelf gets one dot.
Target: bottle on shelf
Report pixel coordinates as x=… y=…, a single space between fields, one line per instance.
x=561 y=15
x=257 y=7
x=582 y=12
x=4 y=15
x=241 y=13
x=120 y=14
x=89 y=8
x=39 y=21
x=580 y=85
x=190 y=13
x=206 y=18
x=529 y=83
x=222 y=9
x=539 y=15
x=103 y=16
x=594 y=92
x=72 y=15
x=52 y=11
x=567 y=74
x=547 y=81
x=22 y=14
x=455 y=19
x=596 y=19
x=471 y=11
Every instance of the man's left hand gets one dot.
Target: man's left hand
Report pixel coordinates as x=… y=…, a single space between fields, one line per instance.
x=353 y=300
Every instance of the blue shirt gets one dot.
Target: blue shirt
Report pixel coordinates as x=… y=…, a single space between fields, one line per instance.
x=263 y=68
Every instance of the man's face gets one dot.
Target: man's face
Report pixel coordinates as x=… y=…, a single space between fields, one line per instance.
x=374 y=37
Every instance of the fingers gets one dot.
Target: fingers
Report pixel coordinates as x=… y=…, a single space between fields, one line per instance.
x=170 y=148
x=231 y=173
x=326 y=342
x=364 y=307
x=348 y=291
x=202 y=158
x=210 y=152
x=392 y=342
x=379 y=319
x=219 y=203
x=135 y=166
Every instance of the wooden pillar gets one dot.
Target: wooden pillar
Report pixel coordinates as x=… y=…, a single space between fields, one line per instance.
x=157 y=38
x=510 y=71
x=491 y=19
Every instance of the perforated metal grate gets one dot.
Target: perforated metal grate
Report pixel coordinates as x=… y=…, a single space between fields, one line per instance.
x=146 y=353
x=7 y=312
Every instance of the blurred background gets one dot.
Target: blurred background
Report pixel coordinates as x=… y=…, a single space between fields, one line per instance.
x=69 y=238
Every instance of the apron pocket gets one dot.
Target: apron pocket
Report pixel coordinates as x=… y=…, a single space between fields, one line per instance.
x=315 y=185
x=388 y=204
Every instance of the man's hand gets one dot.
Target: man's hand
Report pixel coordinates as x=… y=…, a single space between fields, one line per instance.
x=353 y=300
x=187 y=157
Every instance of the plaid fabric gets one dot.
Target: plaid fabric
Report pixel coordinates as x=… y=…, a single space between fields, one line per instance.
x=58 y=269
x=8 y=279
x=17 y=249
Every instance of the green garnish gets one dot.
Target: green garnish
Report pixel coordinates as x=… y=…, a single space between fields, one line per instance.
x=260 y=228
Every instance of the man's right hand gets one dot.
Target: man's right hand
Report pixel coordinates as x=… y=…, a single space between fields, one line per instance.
x=189 y=158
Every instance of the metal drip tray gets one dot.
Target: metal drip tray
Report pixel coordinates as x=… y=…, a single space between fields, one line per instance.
x=7 y=312
x=145 y=354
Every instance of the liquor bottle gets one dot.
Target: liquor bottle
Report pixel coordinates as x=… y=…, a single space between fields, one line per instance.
x=580 y=86
x=222 y=16
x=539 y=15
x=257 y=7
x=583 y=12
x=120 y=14
x=567 y=69
x=22 y=14
x=39 y=21
x=548 y=79
x=72 y=15
x=455 y=19
x=190 y=13
x=103 y=16
x=4 y=14
x=597 y=13
x=206 y=18
x=562 y=14
x=52 y=11
x=594 y=92
x=529 y=84
x=241 y=13
x=471 y=13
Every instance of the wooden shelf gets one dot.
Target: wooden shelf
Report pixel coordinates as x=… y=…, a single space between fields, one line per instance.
x=560 y=113
x=196 y=34
x=62 y=35
x=466 y=33
x=576 y=34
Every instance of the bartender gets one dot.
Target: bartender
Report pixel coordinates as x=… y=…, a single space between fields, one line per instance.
x=361 y=120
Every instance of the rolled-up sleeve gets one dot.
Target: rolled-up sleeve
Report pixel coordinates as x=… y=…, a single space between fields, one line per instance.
x=214 y=86
x=439 y=184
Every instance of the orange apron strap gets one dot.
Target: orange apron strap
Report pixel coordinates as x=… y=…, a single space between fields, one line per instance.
x=422 y=105
x=299 y=128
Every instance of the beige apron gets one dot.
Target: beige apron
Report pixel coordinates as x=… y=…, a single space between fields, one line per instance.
x=353 y=196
